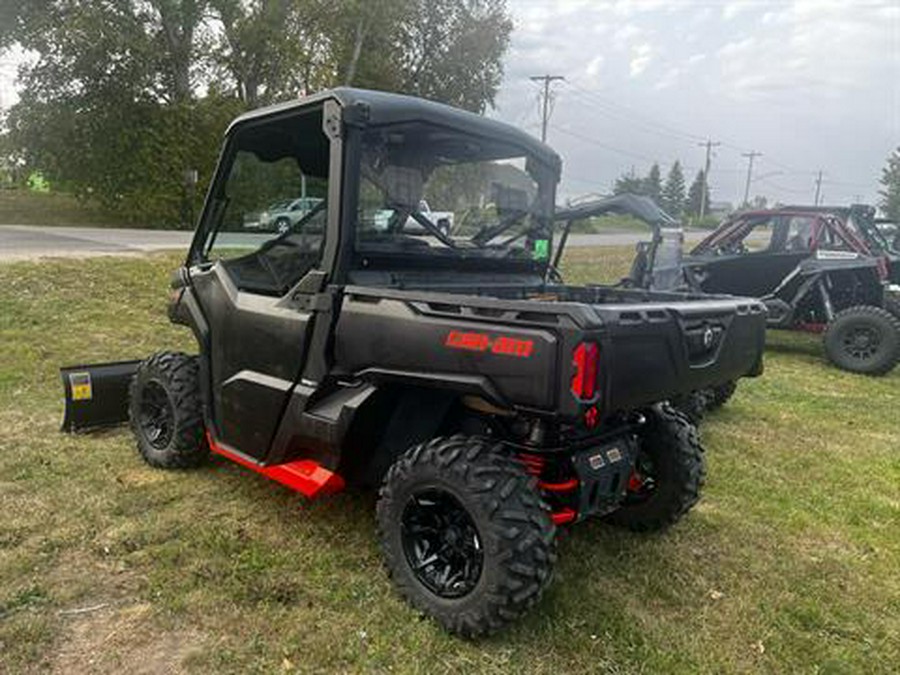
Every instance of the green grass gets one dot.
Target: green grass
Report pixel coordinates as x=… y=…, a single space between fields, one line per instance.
x=24 y=207
x=789 y=564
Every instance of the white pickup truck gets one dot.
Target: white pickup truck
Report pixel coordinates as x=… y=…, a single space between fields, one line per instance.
x=443 y=220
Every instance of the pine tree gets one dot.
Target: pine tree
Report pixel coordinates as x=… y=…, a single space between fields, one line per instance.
x=673 y=192
x=652 y=186
x=890 y=179
x=692 y=208
x=628 y=183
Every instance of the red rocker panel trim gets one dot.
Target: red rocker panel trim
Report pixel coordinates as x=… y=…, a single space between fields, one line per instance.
x=305 y=476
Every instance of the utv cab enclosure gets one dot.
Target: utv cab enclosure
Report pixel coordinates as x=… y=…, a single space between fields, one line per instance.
x=487 y=404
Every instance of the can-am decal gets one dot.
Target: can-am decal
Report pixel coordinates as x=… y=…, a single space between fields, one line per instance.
x=481 y=342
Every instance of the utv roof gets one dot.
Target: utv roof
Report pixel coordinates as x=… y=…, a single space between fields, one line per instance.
x=378 y=107
x=736 y=226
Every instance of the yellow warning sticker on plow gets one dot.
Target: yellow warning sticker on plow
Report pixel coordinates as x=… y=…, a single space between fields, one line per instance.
x=81 y=386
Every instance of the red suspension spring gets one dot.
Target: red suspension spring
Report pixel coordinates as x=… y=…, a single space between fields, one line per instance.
x=534 y=466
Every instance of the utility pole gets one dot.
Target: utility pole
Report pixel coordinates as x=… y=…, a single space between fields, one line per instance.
x=709 y=145
x=818 y=186
x=750 y=156
x=545 y=100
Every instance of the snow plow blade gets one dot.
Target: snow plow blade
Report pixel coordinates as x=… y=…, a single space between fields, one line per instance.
x=96 y=394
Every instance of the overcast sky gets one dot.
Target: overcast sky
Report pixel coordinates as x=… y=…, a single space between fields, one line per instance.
x=811 y=84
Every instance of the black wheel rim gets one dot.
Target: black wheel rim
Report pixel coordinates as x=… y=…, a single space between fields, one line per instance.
x=861 y=342
x=157 y=417
x=441 y=543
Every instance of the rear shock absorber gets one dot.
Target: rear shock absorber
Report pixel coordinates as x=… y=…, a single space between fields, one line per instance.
x=536 y=465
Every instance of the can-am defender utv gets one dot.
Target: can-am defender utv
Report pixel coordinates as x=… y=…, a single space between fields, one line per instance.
x=487 y=404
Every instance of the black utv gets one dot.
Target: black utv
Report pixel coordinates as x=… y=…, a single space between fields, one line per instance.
x=366 y=346
x=812 y=270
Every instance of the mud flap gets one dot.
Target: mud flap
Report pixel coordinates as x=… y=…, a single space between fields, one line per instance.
x=96 y=394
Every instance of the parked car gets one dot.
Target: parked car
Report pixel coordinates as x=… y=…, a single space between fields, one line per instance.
x=442 y=220
x=281 y=215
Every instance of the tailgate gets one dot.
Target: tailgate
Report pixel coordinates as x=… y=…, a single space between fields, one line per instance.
x=650 y=352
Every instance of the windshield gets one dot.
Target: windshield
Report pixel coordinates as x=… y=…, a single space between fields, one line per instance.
x=434 y=191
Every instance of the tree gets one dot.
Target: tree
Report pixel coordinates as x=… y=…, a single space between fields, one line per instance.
x=628 y=183
x=890 y=192
x=692 y=207
x=673 y=192
x=454 y=51
x=648 y=186
x=759 y=202
x=652 y=186
x=449 y=51
x=125 y=95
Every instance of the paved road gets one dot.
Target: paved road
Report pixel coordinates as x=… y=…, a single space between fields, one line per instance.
x=28 y=242
x=18 y=242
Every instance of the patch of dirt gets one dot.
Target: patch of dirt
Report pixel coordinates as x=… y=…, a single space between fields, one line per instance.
x=122 y=640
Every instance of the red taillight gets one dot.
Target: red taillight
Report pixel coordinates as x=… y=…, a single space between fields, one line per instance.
x=585 y=360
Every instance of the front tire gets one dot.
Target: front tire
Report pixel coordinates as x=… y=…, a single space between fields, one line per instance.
x=667 y=476
x=165 y=412
x=465 y=535
x=864 y=339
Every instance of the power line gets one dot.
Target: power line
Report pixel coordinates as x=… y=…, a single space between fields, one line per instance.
x=594 y=141
x=633 y=116
x=679 y=134
x=780 y=188
x=545 y=103
x=620 y=112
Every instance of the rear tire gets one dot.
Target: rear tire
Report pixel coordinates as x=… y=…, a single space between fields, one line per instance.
x=720 y=395
x=465 y=535
x=892 y=304
x=668 y=474
x=165 y=411
x=864 y=339
x=693 y=405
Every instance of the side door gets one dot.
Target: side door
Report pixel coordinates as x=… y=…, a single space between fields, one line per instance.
x=754 y=265
x=251 y=286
